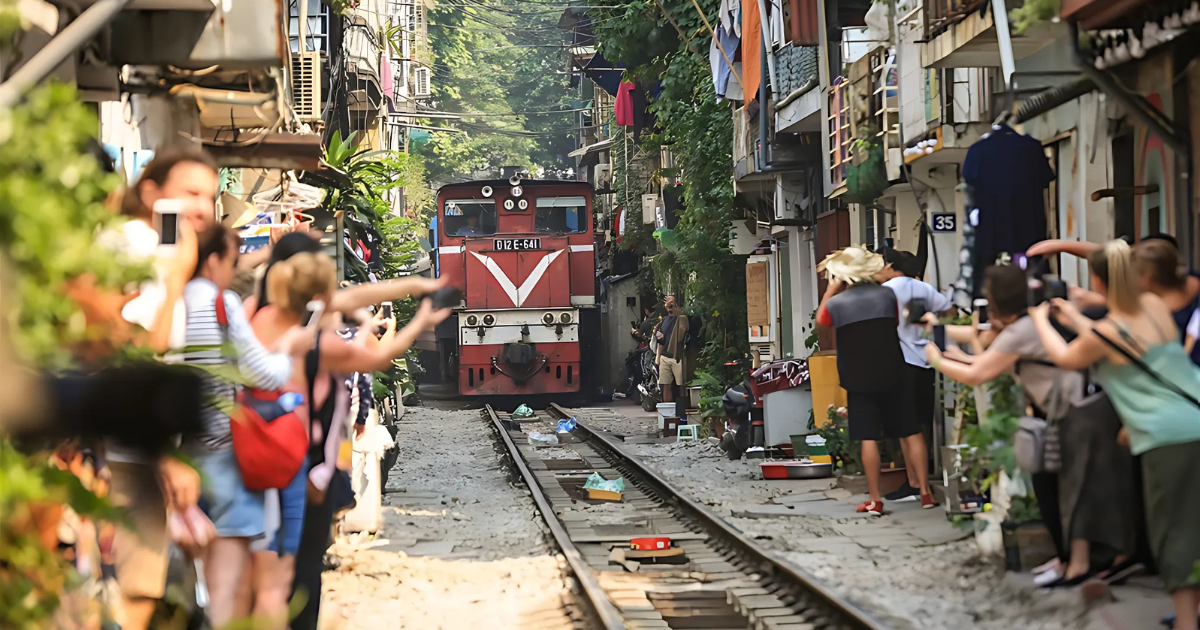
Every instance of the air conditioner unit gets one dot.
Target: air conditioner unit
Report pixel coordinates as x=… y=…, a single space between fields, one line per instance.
x=602 y=177
x=421 y=86
x=306 y=86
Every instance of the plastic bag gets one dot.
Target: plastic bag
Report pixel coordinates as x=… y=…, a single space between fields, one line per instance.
x=542 y=438
x=523 y=412
x=567 y=425
x=596 y=482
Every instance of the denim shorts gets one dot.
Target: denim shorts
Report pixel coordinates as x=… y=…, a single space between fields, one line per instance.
x=286 y=539
x=234 y=511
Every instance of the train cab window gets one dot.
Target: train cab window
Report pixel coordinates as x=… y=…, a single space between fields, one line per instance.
x=558 y=215
x=470 y=217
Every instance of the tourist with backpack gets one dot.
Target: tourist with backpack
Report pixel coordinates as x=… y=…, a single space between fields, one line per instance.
x=218 y=336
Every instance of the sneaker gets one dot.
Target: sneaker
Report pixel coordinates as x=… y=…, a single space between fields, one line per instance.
x=928 y=501
x=874 y=508
x=903 y=493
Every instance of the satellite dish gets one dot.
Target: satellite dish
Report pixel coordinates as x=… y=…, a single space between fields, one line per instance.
x=517 y=191
x=487 y=191
x=508 y=204
x=523 y=204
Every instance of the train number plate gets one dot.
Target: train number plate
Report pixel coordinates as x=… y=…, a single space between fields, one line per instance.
x=516 y=244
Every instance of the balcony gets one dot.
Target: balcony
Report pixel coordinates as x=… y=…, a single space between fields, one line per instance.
x=962 y=34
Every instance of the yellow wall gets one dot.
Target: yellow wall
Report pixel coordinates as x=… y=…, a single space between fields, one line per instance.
x=826 y=386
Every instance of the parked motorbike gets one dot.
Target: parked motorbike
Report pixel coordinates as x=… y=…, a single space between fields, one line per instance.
x=647 y=387
x=737 y=402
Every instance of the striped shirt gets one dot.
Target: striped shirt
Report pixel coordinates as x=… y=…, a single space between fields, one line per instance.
x=210 y=344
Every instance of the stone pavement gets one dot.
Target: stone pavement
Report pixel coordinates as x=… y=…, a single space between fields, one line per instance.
x=814 y=517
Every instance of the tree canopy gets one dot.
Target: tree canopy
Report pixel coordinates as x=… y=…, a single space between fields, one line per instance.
x=501 y=66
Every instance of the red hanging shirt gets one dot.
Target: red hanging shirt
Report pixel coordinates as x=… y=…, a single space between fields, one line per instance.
x=623 y=107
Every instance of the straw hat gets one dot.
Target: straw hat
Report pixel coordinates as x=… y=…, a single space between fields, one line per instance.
x=853 y=264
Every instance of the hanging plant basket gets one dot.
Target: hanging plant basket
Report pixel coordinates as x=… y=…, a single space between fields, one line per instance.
x=866 y=176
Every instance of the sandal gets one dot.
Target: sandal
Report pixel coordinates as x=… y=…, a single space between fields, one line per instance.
x=1118 y=575
x=1065 y=582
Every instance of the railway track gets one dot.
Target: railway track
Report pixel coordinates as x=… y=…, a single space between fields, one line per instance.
x=720 y=581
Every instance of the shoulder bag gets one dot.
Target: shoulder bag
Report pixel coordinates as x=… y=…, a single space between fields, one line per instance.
x=269 y=439
x=1136 y=360
x=1037 y=445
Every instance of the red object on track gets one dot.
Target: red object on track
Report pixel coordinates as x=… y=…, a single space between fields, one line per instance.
x=650 y=544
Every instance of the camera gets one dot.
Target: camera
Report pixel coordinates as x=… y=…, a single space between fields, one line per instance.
x=1045 y=288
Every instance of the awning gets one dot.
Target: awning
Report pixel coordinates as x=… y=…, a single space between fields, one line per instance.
x=591 y=148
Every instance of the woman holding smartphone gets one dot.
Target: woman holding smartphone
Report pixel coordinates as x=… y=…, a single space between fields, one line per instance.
x=308 y=275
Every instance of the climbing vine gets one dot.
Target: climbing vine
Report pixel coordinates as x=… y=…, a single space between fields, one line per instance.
x=667 y=41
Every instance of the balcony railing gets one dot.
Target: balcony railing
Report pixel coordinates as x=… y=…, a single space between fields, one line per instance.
x=941 y=14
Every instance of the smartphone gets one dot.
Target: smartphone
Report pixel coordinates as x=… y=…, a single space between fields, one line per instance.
x=981 y=308
x=446 y=297
x=313 y=312
x=939 y=336
x=167 y=215
x=387 y=310
x=917 y=307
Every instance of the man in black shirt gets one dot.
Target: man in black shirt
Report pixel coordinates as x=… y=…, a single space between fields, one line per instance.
x=865 y=316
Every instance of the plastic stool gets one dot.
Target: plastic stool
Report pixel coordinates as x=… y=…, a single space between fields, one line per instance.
x=687 y=432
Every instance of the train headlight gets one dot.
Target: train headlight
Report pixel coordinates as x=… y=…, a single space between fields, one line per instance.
x=565 y=318
x=489 y=319
x=523 y=204
x=487 y=191
x=472 y=320
x=548 y=318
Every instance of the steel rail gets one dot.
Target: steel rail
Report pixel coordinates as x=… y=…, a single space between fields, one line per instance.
x=854 y=615
x=604 y=609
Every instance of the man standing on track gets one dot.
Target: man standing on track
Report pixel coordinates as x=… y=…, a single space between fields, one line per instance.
x=869 y=360
x=670 y=348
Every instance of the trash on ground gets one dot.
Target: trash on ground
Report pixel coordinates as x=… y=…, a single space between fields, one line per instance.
x=567 y=425
x=523 y=412
x=542 y=438
x=605 y=489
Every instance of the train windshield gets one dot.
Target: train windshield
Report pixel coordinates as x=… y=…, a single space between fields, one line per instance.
x=470 y=217
x=559 y=215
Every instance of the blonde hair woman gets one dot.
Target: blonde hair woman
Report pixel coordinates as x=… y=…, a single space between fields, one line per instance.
x=303 y=536
x=1152 y=383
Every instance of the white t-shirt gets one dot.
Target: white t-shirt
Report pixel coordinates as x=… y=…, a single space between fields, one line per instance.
x=912 y=338
x=140 y=242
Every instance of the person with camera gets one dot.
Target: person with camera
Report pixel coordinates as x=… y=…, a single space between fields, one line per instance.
x=915 y=298
x=1152 y=383
x=1094 y=474
x=301 y=273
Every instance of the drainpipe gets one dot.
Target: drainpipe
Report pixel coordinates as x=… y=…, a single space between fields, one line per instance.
x=71 y=39
x=764 y=141
x=765 y=31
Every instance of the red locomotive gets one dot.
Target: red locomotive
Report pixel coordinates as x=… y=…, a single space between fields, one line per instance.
x=523 y=252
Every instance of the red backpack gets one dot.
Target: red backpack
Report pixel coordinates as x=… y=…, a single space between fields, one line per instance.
x=269 y=443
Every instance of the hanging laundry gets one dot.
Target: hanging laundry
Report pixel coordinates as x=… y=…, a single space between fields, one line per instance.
x=716 y=59
x=1008 y=173
x=731 y=17
x=623 y=105
x=751 y=49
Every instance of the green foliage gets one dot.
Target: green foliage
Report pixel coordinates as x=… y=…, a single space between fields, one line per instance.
x=699 y=132
x=1033 y=12
x=846 y=456
x=374 y=177
x=33 y=579
x=52 y=204
x=991 y=441
x=499 y=64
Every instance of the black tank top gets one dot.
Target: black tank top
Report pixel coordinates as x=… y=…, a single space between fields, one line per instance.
x=324 y=415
